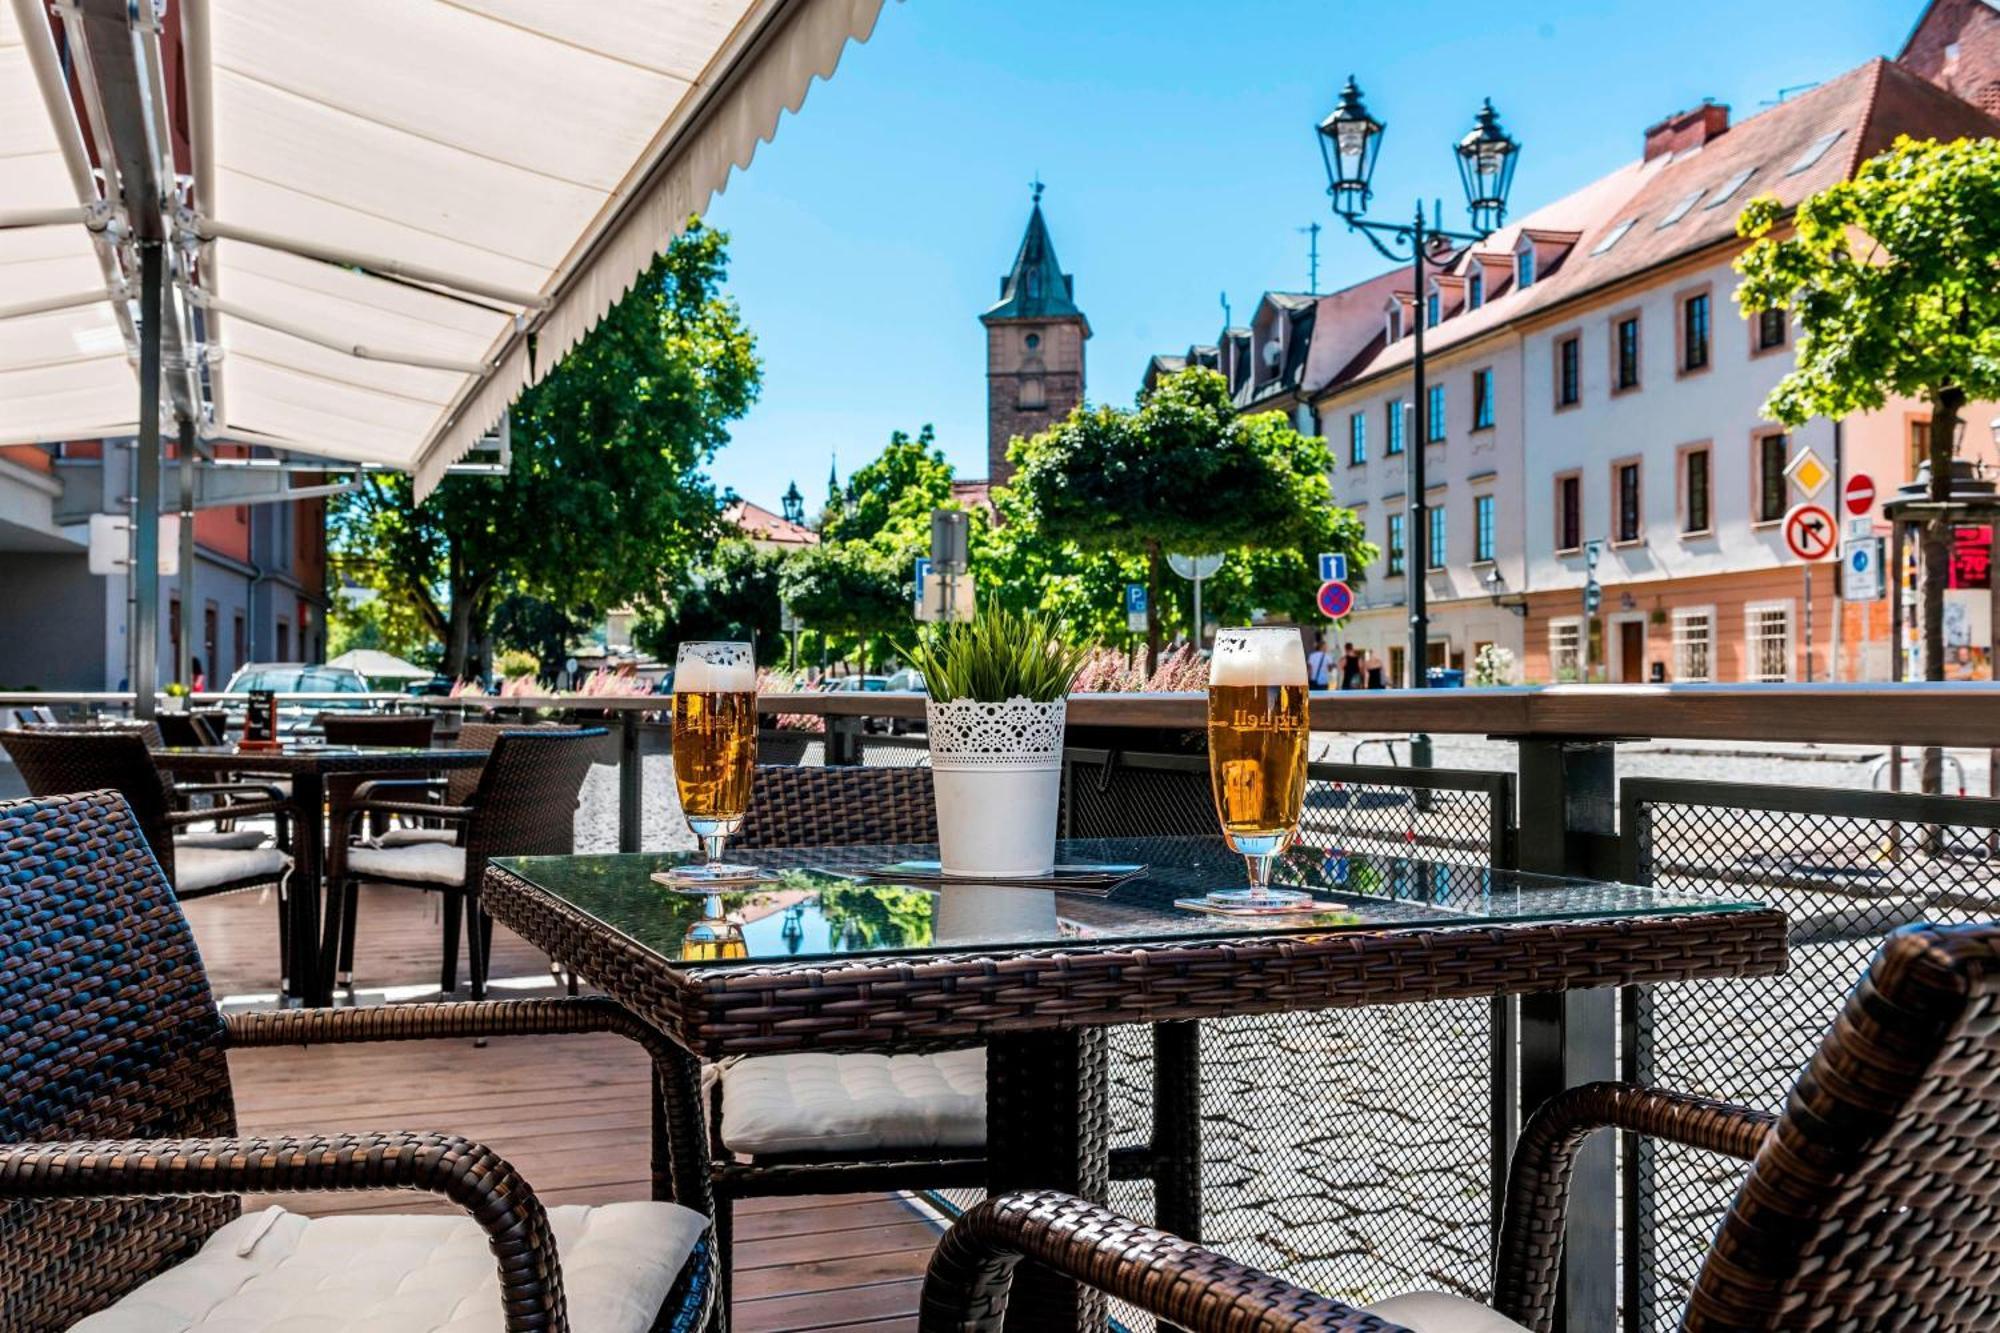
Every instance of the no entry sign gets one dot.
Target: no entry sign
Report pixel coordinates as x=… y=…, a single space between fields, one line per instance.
x=1336 y=599
x=1859 y=494
x=1809 y=532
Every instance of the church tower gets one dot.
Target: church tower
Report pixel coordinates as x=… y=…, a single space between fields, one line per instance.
x=1034 y=346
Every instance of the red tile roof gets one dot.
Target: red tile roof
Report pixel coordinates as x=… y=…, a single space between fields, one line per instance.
x=761 y=525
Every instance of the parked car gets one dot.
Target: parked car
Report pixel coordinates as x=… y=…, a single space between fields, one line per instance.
x=299 y=678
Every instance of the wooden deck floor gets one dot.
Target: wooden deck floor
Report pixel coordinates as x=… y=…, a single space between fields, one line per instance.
x=570 y=1113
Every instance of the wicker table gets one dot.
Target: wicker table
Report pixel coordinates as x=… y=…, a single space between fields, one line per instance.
x=309 y=975
x=831 y=963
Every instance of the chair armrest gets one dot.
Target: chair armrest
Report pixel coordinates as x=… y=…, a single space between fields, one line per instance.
x=234 y=810
x=965 y=1288
x=364 y=791
x=268 y=791
x=450 y=814
x=1537 y=1208
x=679 y=1143
x=471 y=1175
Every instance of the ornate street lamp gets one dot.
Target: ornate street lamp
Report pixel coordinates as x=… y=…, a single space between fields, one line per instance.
x=1349 y=140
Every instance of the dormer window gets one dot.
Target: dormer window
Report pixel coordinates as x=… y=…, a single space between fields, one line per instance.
x=1392 y=321
x=1433 y=308
x=1475 y=288
x=1524 y=265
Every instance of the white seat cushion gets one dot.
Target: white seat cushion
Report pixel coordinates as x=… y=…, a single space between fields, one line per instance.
x=403 y=837
x=234 y=840
x=278 y=1272
x=198 y=868
x=424 y=862
x=854 y=1103
x=1435 y=1312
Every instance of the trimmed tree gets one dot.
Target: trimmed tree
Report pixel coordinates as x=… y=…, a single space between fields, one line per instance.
x=1894 y=278
x=1185 y=473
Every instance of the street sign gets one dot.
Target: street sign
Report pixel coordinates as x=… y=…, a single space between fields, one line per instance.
x=948 y=540
x=1332 y=567
x=923 y=576
x=1808 y=473
x=1863 y=558
x=1195 y=566
x=959 y=589
x=1859 y=527
x=1859 y=494
x=111 y=544
x=1336 y=599
x=1135 y=607
x=1809 y=532
x=788 y=619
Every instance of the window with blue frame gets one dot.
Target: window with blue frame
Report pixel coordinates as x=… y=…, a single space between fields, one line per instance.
x=1434 y=422
x=1475 y=288
x=1433 y=308
x=1392 y=549
x=1357 y=437
x=1524 y=267
x=1434 y=520
x=1482 y=527
x=1393 y=423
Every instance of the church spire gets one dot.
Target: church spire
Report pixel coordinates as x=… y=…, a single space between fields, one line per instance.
x=1036 y=287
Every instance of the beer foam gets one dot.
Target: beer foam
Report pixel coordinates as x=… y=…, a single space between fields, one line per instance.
x=728 y=668
x=1262 y=657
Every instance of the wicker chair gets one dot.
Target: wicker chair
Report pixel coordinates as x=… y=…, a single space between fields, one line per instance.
x=55 y=760
x=523 y=804
x=1873 y=1202
x=120 y=1162
x=779 y=1124
x=405 y=730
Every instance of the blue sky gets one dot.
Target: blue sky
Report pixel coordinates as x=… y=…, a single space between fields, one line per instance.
x=1176 y=140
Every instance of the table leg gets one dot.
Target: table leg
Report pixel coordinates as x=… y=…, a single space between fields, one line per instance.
x=1034 y=1140
x=1177 y=1129
x=309 y=967
x=631 y=780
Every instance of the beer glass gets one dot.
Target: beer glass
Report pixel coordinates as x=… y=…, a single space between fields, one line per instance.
x=1258 y=736
x=715 y=744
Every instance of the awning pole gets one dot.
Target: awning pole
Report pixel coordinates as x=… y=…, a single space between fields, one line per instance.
x=184 y=445
x=145 y=571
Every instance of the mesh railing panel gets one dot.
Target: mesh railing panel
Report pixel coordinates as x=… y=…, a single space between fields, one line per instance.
x=1350 y=1150
x=1845 y=880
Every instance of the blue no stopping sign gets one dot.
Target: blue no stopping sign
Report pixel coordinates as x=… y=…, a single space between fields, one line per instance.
x=1336 y=599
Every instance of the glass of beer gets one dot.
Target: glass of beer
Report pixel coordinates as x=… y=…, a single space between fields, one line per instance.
x=715 y=745
x=1258 y=734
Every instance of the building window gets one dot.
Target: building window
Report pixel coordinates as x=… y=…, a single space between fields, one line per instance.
x=1434 y=426
x=1569 y=371
x=1694 y=645
x=1694 y=333
x=1569 y=512
x=1566 y=649
x=1393 y=426
x=1772 y=450
x=1770 y=329
x=241 y=640
x=1524 y=267
x=1768 y=631
x=1357 y=437
x=284 y=642
x=1433 y=308
x=1482 y=399
x=1626 y=351
x=1439 y=545
x=1392 y=322
x=1393 y=548
x=1626 y=479
x=1920 y=447
x=211 y=659
x=1482 y=528
x=1034 y=340
x=1033 y=396
x=1696 y=493
x=1475 y=288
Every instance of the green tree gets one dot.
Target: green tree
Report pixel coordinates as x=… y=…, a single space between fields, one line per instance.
x=847 y=589
x=606 y=501
x=542 y=630
x=894 y=492
x=1894 y=278
x=1184 y=472
x=732 y=595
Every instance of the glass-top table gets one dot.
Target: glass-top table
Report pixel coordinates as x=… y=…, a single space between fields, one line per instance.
x=830 y=903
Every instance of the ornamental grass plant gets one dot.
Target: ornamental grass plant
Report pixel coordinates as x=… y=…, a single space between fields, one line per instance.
x=996 y=656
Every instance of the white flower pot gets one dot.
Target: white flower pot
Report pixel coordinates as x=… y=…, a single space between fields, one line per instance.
x=997 y=772
x=993 y=914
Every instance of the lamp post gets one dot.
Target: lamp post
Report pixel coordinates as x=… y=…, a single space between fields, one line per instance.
x=1350 y=138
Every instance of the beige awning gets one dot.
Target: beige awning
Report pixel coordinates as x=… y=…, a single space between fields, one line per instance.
x=392 y=199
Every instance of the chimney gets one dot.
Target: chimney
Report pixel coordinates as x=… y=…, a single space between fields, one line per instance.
x=1687 y=129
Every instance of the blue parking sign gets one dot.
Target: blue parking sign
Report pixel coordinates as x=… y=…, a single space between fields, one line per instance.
x=1135 y=607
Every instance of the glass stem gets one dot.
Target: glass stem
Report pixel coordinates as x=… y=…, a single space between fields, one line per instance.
x=1260 y=871
x=711 y=847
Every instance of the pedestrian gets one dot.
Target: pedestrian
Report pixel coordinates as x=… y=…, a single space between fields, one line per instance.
x=1350 y=669
x=200 y=682
x=1372 y=671
x=1319 y=664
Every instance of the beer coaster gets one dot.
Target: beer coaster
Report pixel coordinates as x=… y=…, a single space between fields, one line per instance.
x=1259 y=900
x=1311 y=909
x=1085 y=875
x=712 y=878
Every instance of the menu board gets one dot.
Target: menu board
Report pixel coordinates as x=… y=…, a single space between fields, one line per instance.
x=260 y=720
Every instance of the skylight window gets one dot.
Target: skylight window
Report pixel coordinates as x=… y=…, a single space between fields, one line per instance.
x=1814 y=152
x=1612 y=237
x=1679 y=210
x=1729 y=187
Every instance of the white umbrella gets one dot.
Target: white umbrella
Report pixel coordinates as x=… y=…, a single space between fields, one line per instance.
x=375 y=664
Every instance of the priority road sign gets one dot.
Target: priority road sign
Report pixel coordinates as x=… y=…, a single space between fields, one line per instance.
x=1332 y=567
x=1808 y=473
x=1859 y=494
x=1809 y=532
x=1336 y=599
